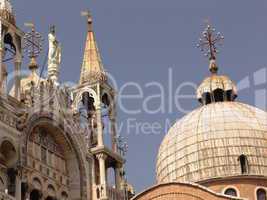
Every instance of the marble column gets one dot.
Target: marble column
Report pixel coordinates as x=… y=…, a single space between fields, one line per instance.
x=118 y=177
x=18 y=187
x=103 y=175
x=17 y=78
x=100 y=141
x=1 y=67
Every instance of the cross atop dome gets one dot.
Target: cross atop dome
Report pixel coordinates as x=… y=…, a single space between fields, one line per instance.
x=215 y=88
x=208 y=43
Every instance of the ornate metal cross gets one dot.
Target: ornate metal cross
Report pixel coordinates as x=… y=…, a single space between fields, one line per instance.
x=33 y=42
x=208 y=42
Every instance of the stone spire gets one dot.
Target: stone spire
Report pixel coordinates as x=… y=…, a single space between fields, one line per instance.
x=92 y=67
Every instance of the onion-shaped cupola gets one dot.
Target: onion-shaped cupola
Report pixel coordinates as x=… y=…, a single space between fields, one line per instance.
x=215 y=88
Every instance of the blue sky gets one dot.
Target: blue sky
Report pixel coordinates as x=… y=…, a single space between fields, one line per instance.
x=140 y=40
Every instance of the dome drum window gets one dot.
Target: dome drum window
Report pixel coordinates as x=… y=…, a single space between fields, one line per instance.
x=261 y=194
x=231 y=192
x=244 y=164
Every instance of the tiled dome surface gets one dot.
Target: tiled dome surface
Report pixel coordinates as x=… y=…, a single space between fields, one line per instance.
x=207 y=143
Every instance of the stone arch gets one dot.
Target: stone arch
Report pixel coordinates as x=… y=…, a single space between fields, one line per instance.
x=79 y=96
x=88 y=101
x=9 y=38
x=231 y=188
x=18 y=45
x=51 y=191
x=109 y=98
x=86 y=104
x=106 y=98
x=8 y=152
x=260 y=193
x=3 y=181
x=37 y=184
x=2 y=184
x=52 y=186
x=64 y=195
x=35 y=195
x=108 y=114
x=76 y=149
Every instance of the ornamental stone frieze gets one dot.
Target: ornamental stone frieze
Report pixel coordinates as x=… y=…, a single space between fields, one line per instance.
x=8 y=119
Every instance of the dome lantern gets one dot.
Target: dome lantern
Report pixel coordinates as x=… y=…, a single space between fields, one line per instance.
x=214 y=88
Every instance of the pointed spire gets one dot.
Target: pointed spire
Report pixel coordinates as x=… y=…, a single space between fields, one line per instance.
x=208 y=42
x=92 y=67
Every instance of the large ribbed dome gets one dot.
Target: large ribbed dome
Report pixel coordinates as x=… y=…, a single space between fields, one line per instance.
x=208 y=142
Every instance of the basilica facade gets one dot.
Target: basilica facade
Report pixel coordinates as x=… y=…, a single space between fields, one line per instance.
x=52 y=142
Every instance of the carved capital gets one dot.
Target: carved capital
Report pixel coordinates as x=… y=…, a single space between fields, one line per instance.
x=101 y=156
x=21 y=122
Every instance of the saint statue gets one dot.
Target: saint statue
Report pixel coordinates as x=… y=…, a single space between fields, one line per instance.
x=54 y=54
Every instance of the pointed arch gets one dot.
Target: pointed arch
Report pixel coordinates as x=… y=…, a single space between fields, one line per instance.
x=73 y=145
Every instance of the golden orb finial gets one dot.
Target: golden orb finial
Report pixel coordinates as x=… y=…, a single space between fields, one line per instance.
x=89 y=17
